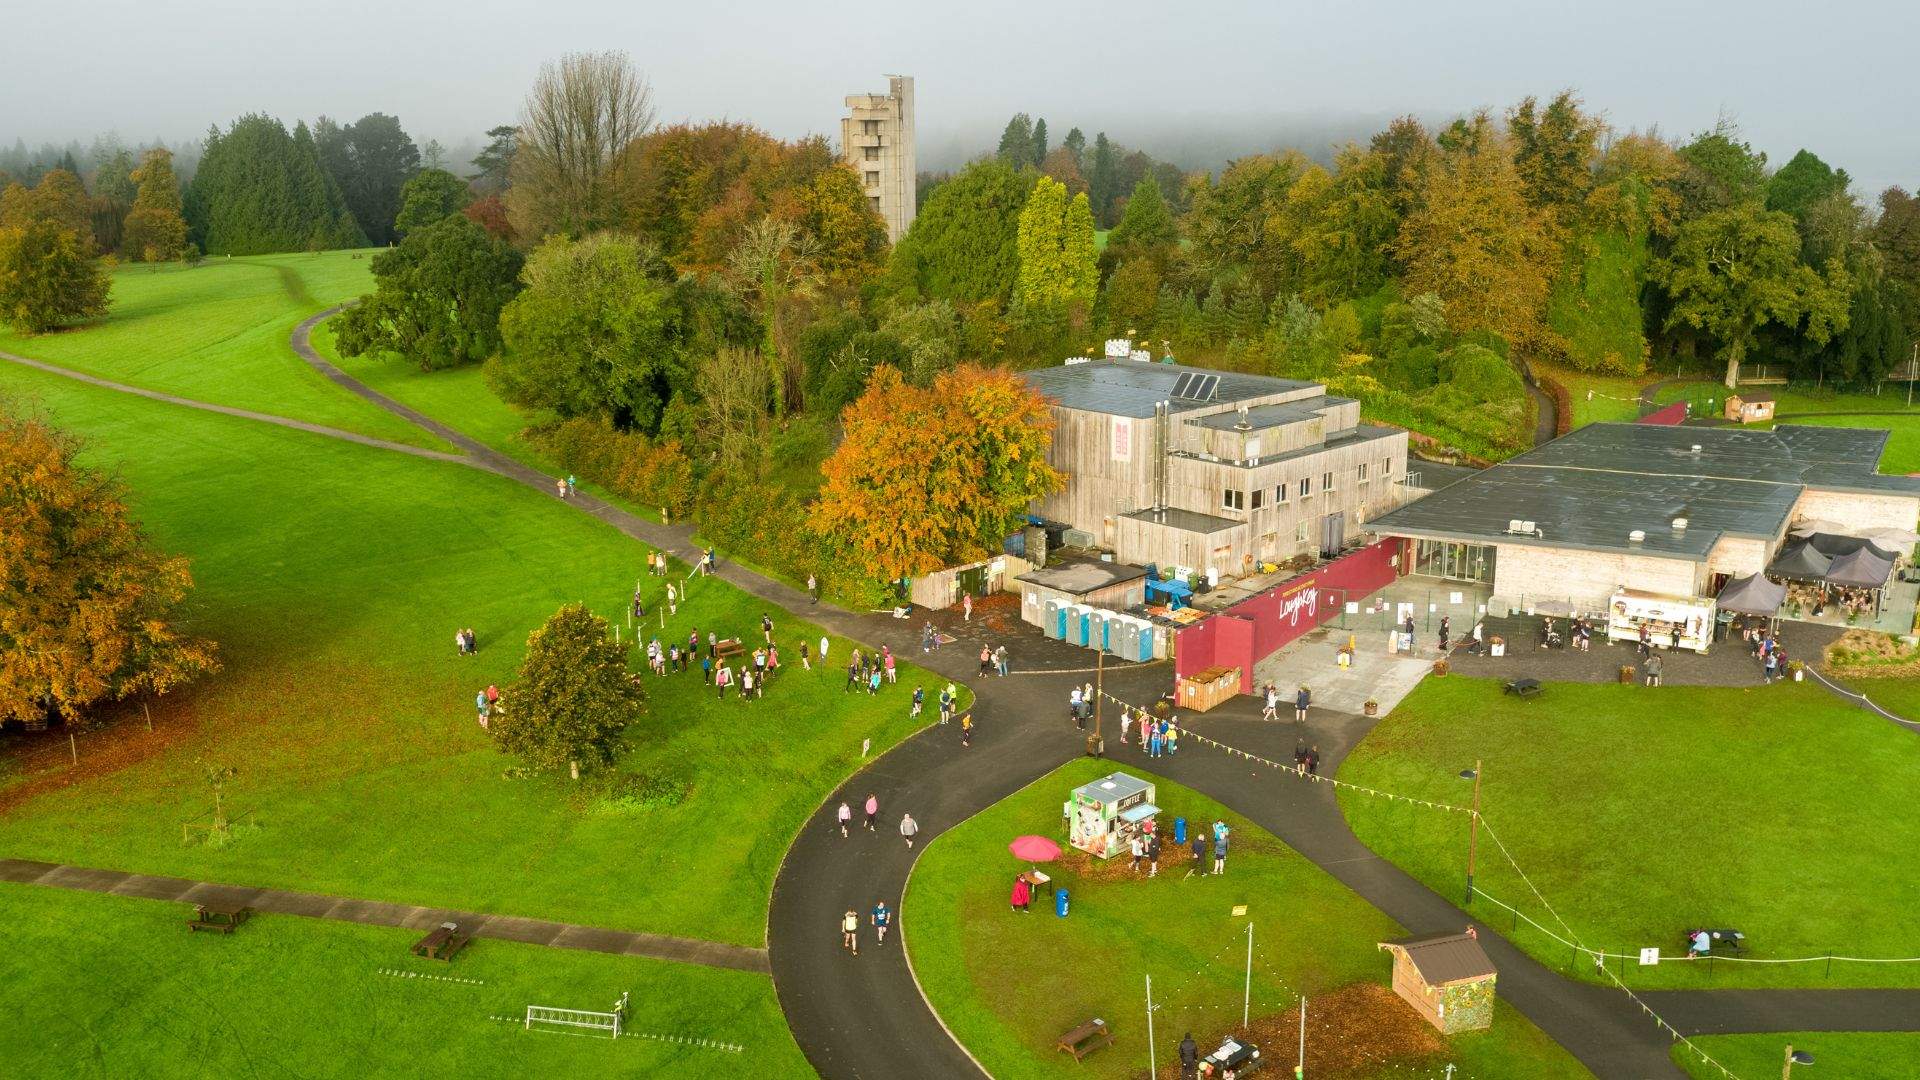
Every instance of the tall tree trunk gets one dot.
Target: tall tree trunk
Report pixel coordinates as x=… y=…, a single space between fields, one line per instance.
x=1735 y=352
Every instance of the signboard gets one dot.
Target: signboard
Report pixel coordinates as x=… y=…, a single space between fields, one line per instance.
x=1239 y=909
x=1649 y=957
x=1122 y=439
x=1303 y=598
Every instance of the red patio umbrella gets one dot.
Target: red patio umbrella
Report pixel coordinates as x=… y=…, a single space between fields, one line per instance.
x=1034 y=849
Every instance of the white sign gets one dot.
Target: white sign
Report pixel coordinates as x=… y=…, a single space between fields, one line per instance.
x=1122 y=439
x=1649 y=957
x=1456 y=598
x=1353 y=608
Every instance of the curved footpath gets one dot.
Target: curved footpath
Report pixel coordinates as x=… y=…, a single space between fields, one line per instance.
x=865 y=1017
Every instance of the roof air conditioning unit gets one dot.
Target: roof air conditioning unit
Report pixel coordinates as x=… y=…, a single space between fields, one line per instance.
x=1636 y=536
x=1514 y=525
x=1695 y=448
x=1679 y=524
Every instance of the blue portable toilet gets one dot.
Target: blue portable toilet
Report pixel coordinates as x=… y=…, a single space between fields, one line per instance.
x=1076 y=625
x=1053 y=619
x=1097 y=628
x=1060 y=903
x=1179 y=832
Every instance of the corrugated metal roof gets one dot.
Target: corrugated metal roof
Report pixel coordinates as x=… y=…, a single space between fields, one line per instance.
x=1132 y=387
x=1591 y=489
x=1446 y=958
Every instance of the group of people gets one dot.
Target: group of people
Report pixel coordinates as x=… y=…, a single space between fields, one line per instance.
x=564 y=487
x=866 y=671
x=1159 y=736
x=1302 y=699
x=1306 y=759
x=881 y=917
x=465 y=641
x=993 y=660
x=486 y=703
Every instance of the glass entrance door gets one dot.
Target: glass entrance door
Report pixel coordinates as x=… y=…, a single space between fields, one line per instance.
x=1453 y=561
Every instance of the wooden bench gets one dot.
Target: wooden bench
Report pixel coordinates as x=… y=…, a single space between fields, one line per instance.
x=221 y=917
x=1086 y=1038
x=731 y=647
x=445 y=940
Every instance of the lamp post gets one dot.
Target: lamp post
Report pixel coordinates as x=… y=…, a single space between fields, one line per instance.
x=1473 y=825
x=1794 y=1057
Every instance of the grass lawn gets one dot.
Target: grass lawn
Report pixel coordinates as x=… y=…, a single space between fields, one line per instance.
x=1855 y=1055
x=1008 y=985
x=334 y=575
x=119 y=988
x=218 y=333
x=1614 y=397
x=1640 y=814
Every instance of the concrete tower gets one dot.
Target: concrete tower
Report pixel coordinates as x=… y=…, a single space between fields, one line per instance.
x=876 y=139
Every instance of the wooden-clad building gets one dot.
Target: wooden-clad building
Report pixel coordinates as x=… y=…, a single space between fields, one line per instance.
x=1447 y=978
x=1213 y=470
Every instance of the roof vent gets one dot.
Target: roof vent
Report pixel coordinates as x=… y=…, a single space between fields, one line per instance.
x=1679 y=524
x=1636 y=536
x=1695 y=448
x=1244 y=424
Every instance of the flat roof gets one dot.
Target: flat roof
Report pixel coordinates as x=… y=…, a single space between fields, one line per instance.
x=1113 y=787
x=1278 y=414
x=1080 y=576
x=1133 y=387
x=1185 y=520
x=1591 y=489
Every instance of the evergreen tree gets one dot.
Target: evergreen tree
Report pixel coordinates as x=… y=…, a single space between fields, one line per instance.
x=260 y=190
x=1016 y=142
x=155 y=231
x=494 y=159
x=1802 y=182
x=432 y=194
x=1076 y=144
x=1057 y=263
x=113 y=177
x=1040 y=140
x=1146 y=228
x=1103 y=181
x=963 y=246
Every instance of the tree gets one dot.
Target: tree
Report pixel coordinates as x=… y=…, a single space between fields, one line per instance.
x=1244 y=221
x=1062 y=166
x=1039 y=153
x=964 y=244
x=155 y=231
x=490 y=213
x=370 y=160
x=592 y=333
x=437 y=298
x=48 y=275
x=1075 y=144
x=1058 y=267
x=433 y=155
x=1802 y=182
x=1016 y=142
x=734 y=386
x=1103 y=181
x=1405 y=148
x=1146 y=230
x=495 y=160
x=1722 y=171
x=849 y=237
x=1735 y=270
x=575 y=126
x=113 y=172
x=1554 y=153
x=61 y=197
x=1344 y=224
x=926 y=478
x=575 y=697
x=430 y=195
x=88 y=606
x=260 y=190
x=1477 y=243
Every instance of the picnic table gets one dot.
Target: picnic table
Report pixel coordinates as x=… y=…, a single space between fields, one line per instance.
x=218 y=915
x=1039 y=880
x=1086 y=1038
x=730 y=647
x=445 y=940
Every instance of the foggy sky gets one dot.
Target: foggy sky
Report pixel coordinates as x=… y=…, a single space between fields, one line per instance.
x=1834 y=77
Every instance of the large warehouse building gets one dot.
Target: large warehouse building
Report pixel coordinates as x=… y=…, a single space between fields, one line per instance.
x=1669 y=510
x=1213 y=470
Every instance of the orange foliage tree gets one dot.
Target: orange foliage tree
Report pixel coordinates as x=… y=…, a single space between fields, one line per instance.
x=928 y=478
x=86 y=603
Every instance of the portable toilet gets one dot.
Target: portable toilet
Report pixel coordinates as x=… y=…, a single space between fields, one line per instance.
x=1126 y=638
x=1053 y=621
x=1076 y=625
x=1144 y=648
x=1097 y=619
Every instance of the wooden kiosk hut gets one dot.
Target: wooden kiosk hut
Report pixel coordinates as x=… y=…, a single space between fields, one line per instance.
x=1110 y=812
x=1447 y=978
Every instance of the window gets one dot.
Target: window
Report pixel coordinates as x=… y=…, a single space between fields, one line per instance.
x=1259 y=497
x=1326 y=482
x=1363 y=471
x=1306 y=487
x=872 y=153
x=1300 y=533
x=1280 y=493
x=873 y=178
x=1234 y=499
x=869 y=127
x=1386 y=467
x=875 y=200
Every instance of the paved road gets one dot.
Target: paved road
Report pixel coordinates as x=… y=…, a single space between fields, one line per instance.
x=865 y=1017
x=381 y=913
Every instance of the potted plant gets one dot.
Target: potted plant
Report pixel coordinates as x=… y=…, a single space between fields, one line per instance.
x=1496 y=645
x=1372 y=707
x=1441 y=667
x=1798 y=669
x=1627 y=673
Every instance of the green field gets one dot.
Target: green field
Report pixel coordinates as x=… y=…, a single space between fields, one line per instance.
x=217 y=332
x=1613 y=397
x=1008 y=985
x=118 y=987
x=333 y=576
x=1639 y=814
x=1855 y=1055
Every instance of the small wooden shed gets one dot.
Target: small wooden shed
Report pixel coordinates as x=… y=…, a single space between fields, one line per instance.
x=1447 y=978
x=1750 y=407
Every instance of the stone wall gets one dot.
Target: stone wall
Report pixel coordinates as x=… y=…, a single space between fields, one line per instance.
x=1587 y=579
x=1858 y=512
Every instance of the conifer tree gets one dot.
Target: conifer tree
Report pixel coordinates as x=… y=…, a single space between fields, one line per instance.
x=155 y=230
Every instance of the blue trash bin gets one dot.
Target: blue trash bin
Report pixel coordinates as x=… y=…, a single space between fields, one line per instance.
x=1180 y=832
x=1060 y=903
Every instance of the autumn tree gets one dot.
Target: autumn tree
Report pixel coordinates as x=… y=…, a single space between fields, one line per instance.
x=575 y=126
x=88 y=606
x=1735 y=270
x=438 y=297
x=574 y=699
x=849 y=237
x=592 y=332
x=1477 y=243
x=48 y=274
x=1063 y=166
x=1059 y=271
x=927 y=478
x=155 y=230
x=1241 y=221
x=1555 y=147
x=1342 y=225
x=429 y=196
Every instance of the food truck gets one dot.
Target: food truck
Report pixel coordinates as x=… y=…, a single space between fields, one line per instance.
x=1109 y=812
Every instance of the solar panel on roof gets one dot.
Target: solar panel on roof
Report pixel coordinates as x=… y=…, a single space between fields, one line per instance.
x=1183 y=384
x=1204 y=387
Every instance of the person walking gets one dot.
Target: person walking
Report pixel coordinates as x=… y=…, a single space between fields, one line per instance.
x=886 y=658
x=766 y=627
x=909 y=828
x=706 y=670
x=966 y=607
x=1189 y=1058
x=853 y=676
x=806 y=657
x=1173 y=735
x=1313 y=761
x=1137 y=852
x=873 y=810
x=560 y=486
x=813 y=588
x=673 y=600
x=873 y=680
x=572 y=488
x=845 y=816
x=986 y=660
x=480 y=706
x=1199 y=852
x=966 y=730
x=1000 y=661
x=1272 y=711
x=1220 y=852
x=926 y=638
x=1406 y=630
x=882 y=918
x=1126 y=721
x=1654 y=666
x=919 y=701
x=1301 y=700
x=850 y=932
x=946 y=703
x=460 y=641
x=1153 y=854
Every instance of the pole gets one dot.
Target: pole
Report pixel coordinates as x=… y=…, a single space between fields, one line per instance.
x=73 y=746
x=1300 y=1070
x=1786 y=1070
x=1099 y=685
x=1473 y=831
x=1151 y=1058
x=1246 y=995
